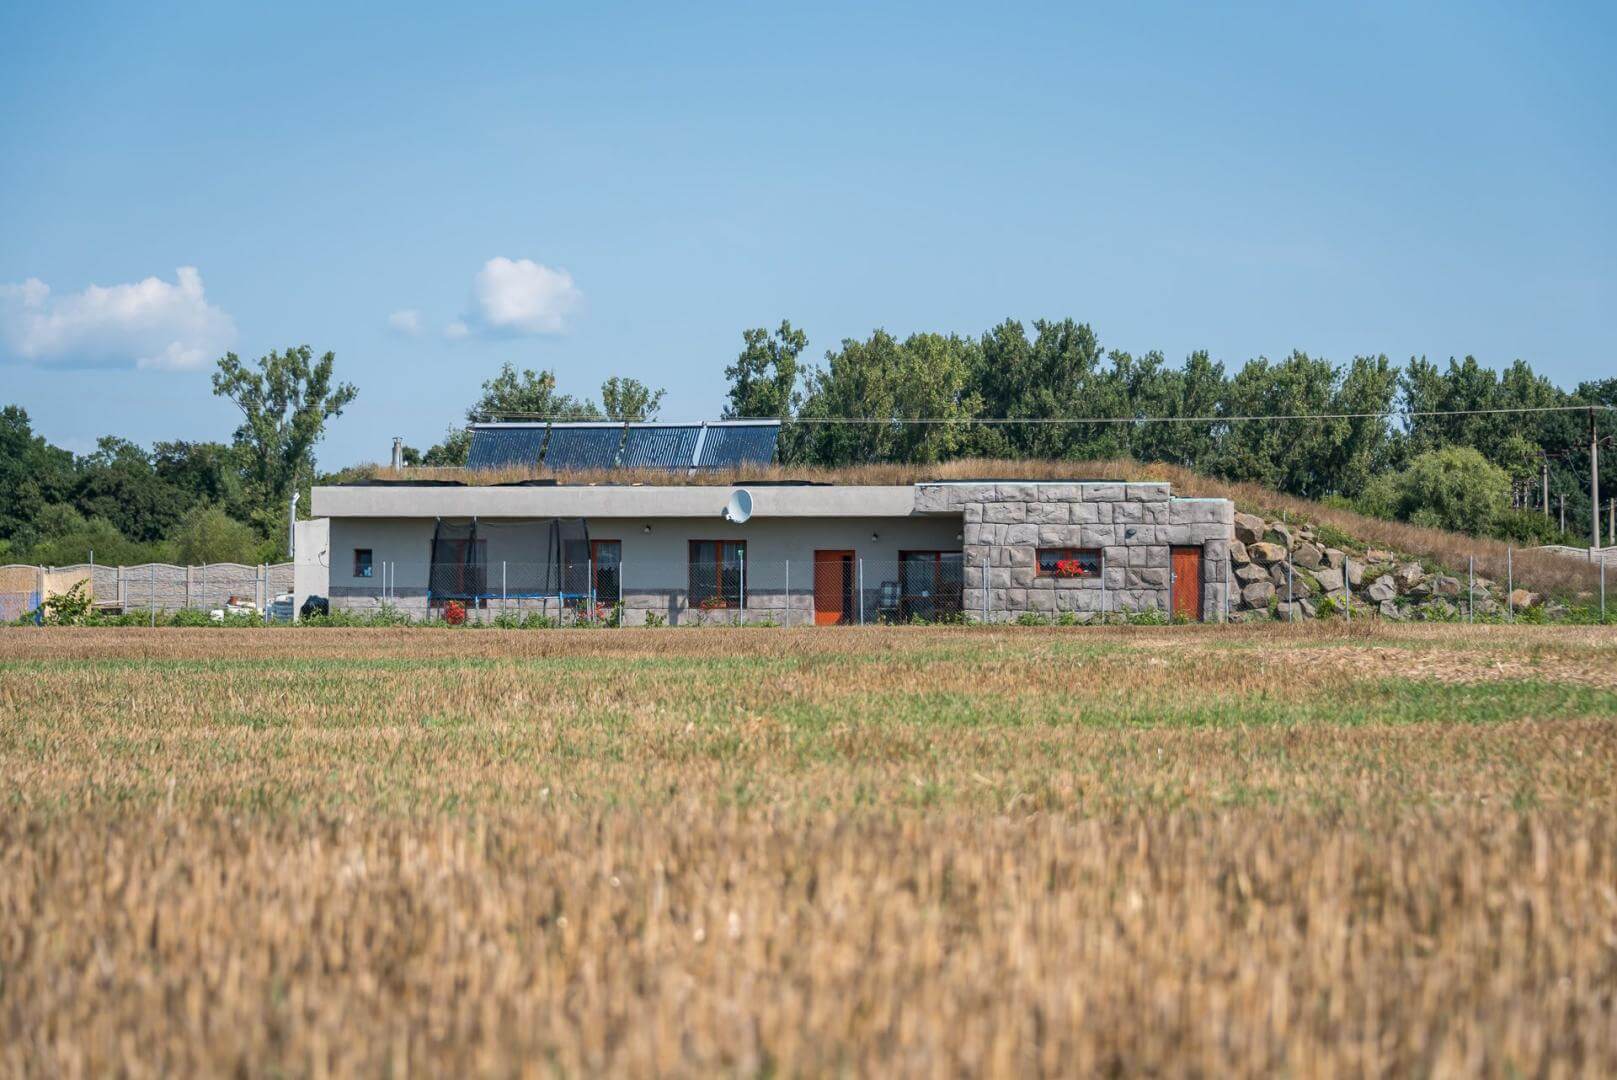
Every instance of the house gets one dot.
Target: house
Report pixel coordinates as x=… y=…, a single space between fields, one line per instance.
x=794 y=552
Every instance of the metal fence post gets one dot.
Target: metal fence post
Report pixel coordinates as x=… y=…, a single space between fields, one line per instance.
x=1602 y=589
x=861 y=591
x=1471 y=590
x=1226 y=618
x=1291 y=599
x=151 y=593
x=986 y=572
x=621 y=620
x=741 y=562
x=505 y=603
x=1103 y=593
x=1510 y=583
x=786 y=616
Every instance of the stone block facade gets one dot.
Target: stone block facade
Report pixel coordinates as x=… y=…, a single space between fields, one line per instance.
x=1133 y=526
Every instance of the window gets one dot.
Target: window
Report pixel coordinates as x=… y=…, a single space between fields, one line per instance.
x=1077 y=563
x=362 y=562
x=930 y=585
x=606 y=560
x=717 y=573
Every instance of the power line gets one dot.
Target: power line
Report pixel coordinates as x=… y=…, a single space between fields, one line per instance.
x=1001 y=421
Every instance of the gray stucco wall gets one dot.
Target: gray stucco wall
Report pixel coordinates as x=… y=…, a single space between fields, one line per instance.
x=656 y=572
x=998 y=526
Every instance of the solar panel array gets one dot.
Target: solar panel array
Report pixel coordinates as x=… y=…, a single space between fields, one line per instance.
x=659 y=446
x=579 y=446
x=583 y=446
x=505 y=447
x=732 y=446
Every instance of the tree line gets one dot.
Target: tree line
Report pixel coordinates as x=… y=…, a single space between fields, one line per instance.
x=1481 y=472
x=1059 y=370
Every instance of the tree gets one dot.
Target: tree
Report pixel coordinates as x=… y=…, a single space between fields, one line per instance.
x=66 y=537
x=630 y=400
x=528 y=395
x=118 y=483
x=1451 y=488
x=764 y=376
x=33 y=474
x=1061 y=373
x=208 y=472
x=882 y=379
x=285 y=405
x=209 y=535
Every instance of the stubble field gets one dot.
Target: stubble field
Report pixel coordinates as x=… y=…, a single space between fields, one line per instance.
x=1181 y=850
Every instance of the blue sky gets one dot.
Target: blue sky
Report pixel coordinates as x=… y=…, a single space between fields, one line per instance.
x=608 y=189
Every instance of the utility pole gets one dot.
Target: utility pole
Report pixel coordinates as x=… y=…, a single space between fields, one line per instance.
x=1594 y=482
x=292 y=526
x=1546 y=487
x=1562 y=497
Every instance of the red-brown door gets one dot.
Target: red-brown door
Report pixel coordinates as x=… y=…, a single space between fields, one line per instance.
x=1187 y=582
x=833 y=587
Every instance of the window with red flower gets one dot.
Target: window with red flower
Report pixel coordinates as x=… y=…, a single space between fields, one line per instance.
x=1071 y=563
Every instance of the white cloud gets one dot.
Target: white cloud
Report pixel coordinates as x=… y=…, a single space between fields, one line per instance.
x=520 y=296
x=150 y=324
x=456 y=330
x=406 y=321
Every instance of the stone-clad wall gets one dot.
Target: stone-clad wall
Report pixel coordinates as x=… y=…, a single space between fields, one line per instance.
x=1135 y=526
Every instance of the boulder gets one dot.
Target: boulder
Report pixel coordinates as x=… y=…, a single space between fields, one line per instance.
x=1447 y=587
x=1330 y=579
x=1308 y=556
x=1238 y=555
x=1249 y=573
x=1266 y=554
x=1521 y=598
x=1354 y=569
x=1280 y=533
x=1335 y=557
x=1302 y=609
x=1376 y=555
x=1382 y=590
x=1408 y=575
x=1258 y=594
x=1248 y=528
x=1390 y=610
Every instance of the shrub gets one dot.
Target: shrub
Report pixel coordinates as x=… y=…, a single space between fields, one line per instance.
x=1453 y=488
x=655 y=619
x=71 y=608
x=209 y=535
x=1530 y=528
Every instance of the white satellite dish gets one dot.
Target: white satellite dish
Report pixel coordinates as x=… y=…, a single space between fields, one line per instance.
x=739 y=508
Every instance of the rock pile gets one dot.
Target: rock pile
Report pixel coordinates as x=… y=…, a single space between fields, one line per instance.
x=1287 y=571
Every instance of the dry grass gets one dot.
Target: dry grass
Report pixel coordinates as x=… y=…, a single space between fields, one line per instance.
x=1541 y=571
x=917 y=851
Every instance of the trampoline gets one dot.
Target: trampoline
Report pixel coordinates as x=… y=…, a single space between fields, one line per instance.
x=552 y=562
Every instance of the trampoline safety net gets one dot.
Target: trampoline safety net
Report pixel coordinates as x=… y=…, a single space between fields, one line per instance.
x=544 y=558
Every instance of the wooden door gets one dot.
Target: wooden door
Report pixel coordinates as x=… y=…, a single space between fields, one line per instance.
x=833 y=587
x=1187 y=582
